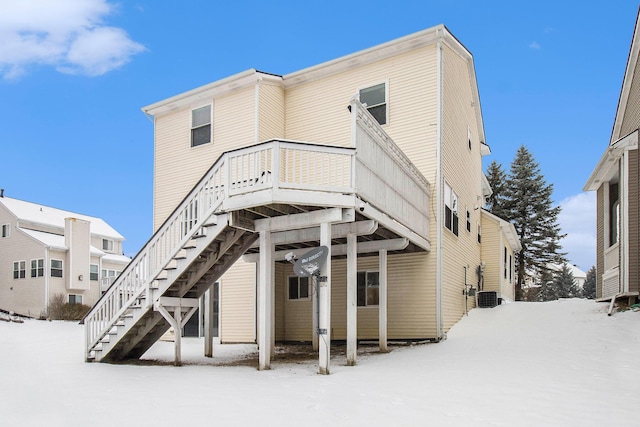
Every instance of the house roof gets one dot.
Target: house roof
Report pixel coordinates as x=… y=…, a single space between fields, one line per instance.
x=577 y=273
x=53 y=217
x=507 y=228
x=335 y=66
x=56 y=242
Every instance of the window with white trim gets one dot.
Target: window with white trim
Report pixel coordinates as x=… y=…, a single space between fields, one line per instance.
x=93 y=272
x=19 y=269
x=37 y=267
x=75 y=299
x=107 y=245
x=56 y=268
x=505 y=262
x=368 y=288
x=469 y=136
x=450 y=209
x=298 y=288
x=5 y=231
x=479 y=233
x=201 y=126
x=468 y=221
x=375 y=99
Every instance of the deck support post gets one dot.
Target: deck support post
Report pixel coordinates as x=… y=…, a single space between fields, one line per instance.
x=177 y=320
x=324 y=289
x=352 y=299
x=382 y=301
x=265 y=299
x=208 y=322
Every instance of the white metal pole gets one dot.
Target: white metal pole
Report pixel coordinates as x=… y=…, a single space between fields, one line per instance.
x=264 y=313
x=324 y=287
x=352 y=299
x=382 y=300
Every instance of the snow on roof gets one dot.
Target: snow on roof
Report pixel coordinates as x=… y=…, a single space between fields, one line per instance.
x=56 y=241
x=46 y=215
x=116 y=258
x=577 y=273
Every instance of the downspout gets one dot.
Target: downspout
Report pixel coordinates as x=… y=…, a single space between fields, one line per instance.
x=439 y=326
x=47 y=275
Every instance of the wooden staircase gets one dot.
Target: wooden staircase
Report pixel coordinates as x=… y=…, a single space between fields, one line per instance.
x=201 y=262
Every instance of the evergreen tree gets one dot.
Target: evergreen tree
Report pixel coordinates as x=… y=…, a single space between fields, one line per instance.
x=589 y=288
x=528 y=206
x=548 y=291
x=497 y=180
x=565 y=283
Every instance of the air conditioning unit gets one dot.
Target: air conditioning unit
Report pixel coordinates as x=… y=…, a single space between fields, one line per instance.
x=487 y=299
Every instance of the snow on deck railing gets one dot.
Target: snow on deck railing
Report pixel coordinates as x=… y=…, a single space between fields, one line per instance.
x=274 y=164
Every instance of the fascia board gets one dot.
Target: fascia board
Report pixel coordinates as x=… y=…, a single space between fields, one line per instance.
x=608 y=160
x=209 y=91
x=627 y=80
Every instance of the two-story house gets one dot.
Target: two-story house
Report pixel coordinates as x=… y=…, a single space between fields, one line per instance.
x=616 y=180
x=376 y=156
x=46 y=251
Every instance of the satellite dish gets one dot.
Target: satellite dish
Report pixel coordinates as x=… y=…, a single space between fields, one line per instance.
x=311 y=262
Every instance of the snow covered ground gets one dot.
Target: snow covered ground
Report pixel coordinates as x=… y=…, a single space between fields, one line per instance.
x=561 y=363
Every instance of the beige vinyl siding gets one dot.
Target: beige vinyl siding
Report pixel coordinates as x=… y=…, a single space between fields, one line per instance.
x=280 y=298
x=24 y=296
x=633 y=225
x=600 y=246
x=410 y=302
x=631 y=120
x=271 y=112
x=491 y=253
x=461 y=170
x=238 y=304
x=178 y=166
x=316 y=111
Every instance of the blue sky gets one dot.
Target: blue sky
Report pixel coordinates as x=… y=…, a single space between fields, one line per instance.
x=75 y=73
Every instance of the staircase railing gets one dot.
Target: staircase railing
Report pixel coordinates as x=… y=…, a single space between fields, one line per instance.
x=274 y=164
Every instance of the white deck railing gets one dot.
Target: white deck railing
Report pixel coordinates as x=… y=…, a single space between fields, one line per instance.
x=275 y=164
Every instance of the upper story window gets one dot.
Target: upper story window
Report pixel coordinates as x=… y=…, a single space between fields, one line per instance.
x=368 y=288
x=19 y=269
x=375 y=98
x=479 y=233
x=469 y=136
x=468 y=221
x=298 y=288
x=93 y=272
x=107 y=245
x=201 y=126
x=5 y=231
x=450 y=209
x=37 y=267
x=56 y=268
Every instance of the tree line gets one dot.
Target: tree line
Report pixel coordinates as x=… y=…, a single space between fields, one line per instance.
x=524 y=198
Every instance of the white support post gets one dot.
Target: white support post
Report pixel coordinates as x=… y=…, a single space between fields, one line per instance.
x=315 y=296
x=352 y=299
x=324 y=288
x=208 y=322
x=178 y=336
x=272 y=304
x=265 y=289
x=382 y=301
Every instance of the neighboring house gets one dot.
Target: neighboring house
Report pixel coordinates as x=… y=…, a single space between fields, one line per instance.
x=499 y=237
x=376 y=156
x=46 y=251
x=579 y=276
x=616 y=179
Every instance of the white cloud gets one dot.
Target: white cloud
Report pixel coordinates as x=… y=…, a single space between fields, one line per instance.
x=69 y=35
x=535 y=45
x=578 y=221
